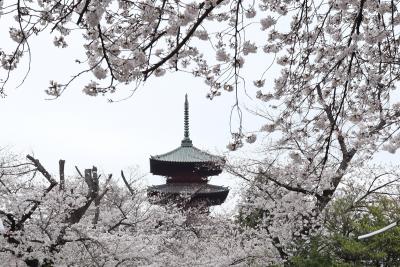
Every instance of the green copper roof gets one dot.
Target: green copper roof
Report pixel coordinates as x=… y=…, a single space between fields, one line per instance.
x=187 y=154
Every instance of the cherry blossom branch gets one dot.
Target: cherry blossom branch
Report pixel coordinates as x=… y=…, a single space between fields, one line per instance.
x=105 y=53
x=84 y=10
x=53 y=183
x=184 y=40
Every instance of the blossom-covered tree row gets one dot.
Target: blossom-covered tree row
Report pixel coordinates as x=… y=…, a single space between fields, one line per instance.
x=89 y=220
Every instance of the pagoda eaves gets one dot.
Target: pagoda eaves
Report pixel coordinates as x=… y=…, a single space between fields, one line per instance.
x=187 y=158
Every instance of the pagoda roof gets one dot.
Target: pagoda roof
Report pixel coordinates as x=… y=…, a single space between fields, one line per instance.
x=212 y=194
x=188 y=188
x=188 y=154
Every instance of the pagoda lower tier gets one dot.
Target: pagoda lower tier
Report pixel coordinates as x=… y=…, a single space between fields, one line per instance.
x=188 y=194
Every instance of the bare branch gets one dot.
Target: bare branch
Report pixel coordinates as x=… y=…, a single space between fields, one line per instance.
x=42 y=170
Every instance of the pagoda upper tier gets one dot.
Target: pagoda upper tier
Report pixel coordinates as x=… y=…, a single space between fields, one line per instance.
x=186 y=163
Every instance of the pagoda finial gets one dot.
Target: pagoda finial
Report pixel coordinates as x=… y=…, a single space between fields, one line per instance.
x=186 y=140
x=186 y=134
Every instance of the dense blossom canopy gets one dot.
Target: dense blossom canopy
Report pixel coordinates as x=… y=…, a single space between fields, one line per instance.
x=89 y=221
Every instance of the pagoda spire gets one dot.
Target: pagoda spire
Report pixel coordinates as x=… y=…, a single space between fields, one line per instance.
x=186 y=140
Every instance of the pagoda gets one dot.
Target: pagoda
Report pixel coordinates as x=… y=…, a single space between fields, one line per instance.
x=187 y=169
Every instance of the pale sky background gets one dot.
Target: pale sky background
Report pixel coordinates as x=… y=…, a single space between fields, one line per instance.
x=87 y=131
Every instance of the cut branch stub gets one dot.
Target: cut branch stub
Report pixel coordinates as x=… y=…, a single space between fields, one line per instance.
x=127 y=184
x=88 y=180
x=91 y=179
x=61 y=164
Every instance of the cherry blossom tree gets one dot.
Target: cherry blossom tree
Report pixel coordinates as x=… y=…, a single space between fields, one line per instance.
x=333 y=105
x=364 y=204
x=292 y=224
x=54 y=220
